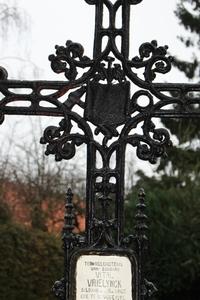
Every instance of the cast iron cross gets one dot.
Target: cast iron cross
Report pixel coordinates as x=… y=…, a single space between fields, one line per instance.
x=102 y=91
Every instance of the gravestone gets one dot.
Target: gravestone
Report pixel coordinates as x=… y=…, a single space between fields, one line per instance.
x=104 y=264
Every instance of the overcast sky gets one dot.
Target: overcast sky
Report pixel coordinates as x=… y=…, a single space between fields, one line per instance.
x=53 y=22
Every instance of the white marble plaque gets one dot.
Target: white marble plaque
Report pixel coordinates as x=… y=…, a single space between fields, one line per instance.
x=101 y=277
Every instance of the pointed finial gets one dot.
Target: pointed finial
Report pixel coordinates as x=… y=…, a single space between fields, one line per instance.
x=141 y=218
x=69 y=216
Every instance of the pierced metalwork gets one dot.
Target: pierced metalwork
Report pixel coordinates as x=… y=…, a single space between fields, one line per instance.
x=112 y=115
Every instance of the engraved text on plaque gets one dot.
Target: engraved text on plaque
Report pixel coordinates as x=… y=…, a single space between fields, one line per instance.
x=101 y=277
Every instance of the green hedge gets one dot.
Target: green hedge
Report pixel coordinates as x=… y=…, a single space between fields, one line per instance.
x=173 y=263
x=30 y=262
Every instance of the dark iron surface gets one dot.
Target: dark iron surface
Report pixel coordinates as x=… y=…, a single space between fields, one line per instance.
x=109 y=90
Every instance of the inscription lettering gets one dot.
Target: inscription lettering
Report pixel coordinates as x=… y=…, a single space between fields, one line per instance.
x=104 y=283
x=101 y=277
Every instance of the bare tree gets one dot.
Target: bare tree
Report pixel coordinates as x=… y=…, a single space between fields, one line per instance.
x=11 y=18
x=39 y=182
x=15 y=27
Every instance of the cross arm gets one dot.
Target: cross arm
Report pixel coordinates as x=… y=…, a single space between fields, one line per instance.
x=33 y=97
x=176 y=100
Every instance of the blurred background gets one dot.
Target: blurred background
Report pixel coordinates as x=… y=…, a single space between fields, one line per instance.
x=33 y=186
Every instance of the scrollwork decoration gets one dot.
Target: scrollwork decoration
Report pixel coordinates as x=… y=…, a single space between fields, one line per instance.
x=153 y=59
x=3 y=74
x=68 y=59
x=152 y=144
x=102 y=91
x=59 y=289
x=60 y=142
x=148 y=289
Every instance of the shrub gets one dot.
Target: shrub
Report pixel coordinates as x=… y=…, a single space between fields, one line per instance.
x=30 y=262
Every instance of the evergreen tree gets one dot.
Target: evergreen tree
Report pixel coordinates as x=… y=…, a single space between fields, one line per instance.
x=184 y=159
x=174 y=193
x=188 y=14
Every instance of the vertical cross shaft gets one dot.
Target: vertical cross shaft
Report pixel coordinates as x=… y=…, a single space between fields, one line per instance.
x=112 y=32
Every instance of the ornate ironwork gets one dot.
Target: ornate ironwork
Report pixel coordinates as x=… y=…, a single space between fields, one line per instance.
x=101 y=87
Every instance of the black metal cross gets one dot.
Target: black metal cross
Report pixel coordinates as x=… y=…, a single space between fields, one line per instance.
x=102 y=91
